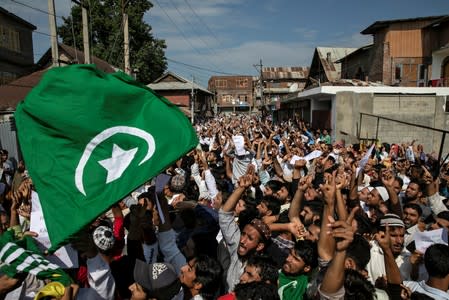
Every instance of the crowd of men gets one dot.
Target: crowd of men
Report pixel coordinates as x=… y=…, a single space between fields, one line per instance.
x=258 y=211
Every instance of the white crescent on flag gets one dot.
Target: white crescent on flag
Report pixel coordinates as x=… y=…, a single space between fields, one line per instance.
x=101 y=137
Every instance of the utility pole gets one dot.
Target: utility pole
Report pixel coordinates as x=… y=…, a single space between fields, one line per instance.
x=53 y=34
x=86 y=44
x=259 y=68
x=192 y=101
x=126 y=38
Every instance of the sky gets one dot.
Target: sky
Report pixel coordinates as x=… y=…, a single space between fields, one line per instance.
x=229 y=37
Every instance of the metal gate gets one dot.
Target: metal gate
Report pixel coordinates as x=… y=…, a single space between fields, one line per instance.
x=8 y=138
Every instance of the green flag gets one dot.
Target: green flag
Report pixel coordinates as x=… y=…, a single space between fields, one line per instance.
x=15 y=259
x=89 y=138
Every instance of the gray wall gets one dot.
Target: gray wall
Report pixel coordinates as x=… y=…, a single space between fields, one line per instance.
x=427 y=110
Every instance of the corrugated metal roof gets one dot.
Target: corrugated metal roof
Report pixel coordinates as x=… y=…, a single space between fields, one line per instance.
x=328 y=56
x=285 y=72
x=181 y=84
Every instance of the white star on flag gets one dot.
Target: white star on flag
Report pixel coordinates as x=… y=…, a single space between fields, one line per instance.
x=118 y=162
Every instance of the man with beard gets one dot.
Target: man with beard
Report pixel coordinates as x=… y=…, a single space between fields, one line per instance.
x=311 y=212
x=396 y=231
x=295 y=274
x=414 y=194
x=411 y=215
x=241 y=245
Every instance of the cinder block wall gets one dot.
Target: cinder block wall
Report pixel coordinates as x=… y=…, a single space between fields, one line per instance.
x=427 y=110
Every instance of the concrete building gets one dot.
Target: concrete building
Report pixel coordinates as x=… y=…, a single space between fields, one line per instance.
x=16 y=47
x=425 y=106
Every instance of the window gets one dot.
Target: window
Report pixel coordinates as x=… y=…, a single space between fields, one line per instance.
x=6 y=77
x=243 y=98
x=226 y=99
x=220 y=83
x=422 y=72
x=9 y=38
x=398 y=72
x=242 y=83
x=446 y=106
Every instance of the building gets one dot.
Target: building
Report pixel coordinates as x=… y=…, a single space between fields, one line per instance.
x=326 y=65
x=16 y=47
x=69 y=56
x=232 y=93
x=15 y=91
x=401 y=53
x=178 y=90
x=280 y=82
x=438 y=31
x=343 y=105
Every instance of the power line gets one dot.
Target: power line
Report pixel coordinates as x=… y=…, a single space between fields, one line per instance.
x=179 y=29
x=111 y=50
x=199 y=73
x=204 y=23
x=73 y=30
x=34 y=31
x=201 y=68
x=193 y=27
x=34 y=8
x=203 y=78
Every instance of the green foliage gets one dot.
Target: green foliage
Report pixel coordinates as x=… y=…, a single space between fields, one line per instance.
x=147 y=54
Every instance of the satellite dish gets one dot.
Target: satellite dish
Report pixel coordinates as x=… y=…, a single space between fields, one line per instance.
x=293 y=88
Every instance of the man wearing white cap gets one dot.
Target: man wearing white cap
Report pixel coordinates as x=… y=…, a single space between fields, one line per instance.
x=396 y=230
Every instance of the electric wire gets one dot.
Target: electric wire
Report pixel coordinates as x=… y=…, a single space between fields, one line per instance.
x=34 y=8
x=73 y=29
x=197 y=17
x=182 y=32
x=201 y=68
x=193 y=27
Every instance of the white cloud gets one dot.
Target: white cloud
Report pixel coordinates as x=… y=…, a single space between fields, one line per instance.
x=305 y=33
x=244 y=56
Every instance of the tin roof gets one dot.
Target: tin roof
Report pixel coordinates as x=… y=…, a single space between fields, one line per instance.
x=285 y=72
x=180 y=83
x=329 y=56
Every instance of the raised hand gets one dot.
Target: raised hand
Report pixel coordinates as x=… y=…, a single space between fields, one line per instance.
x=301 y=163
x=305 y=182
x=388 y=178
x=340 y=181
x=383 y=239
x=245 y=180
x=329 y=188
x=342 y=231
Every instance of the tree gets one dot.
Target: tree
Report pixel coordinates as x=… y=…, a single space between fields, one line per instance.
x=147 y=54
